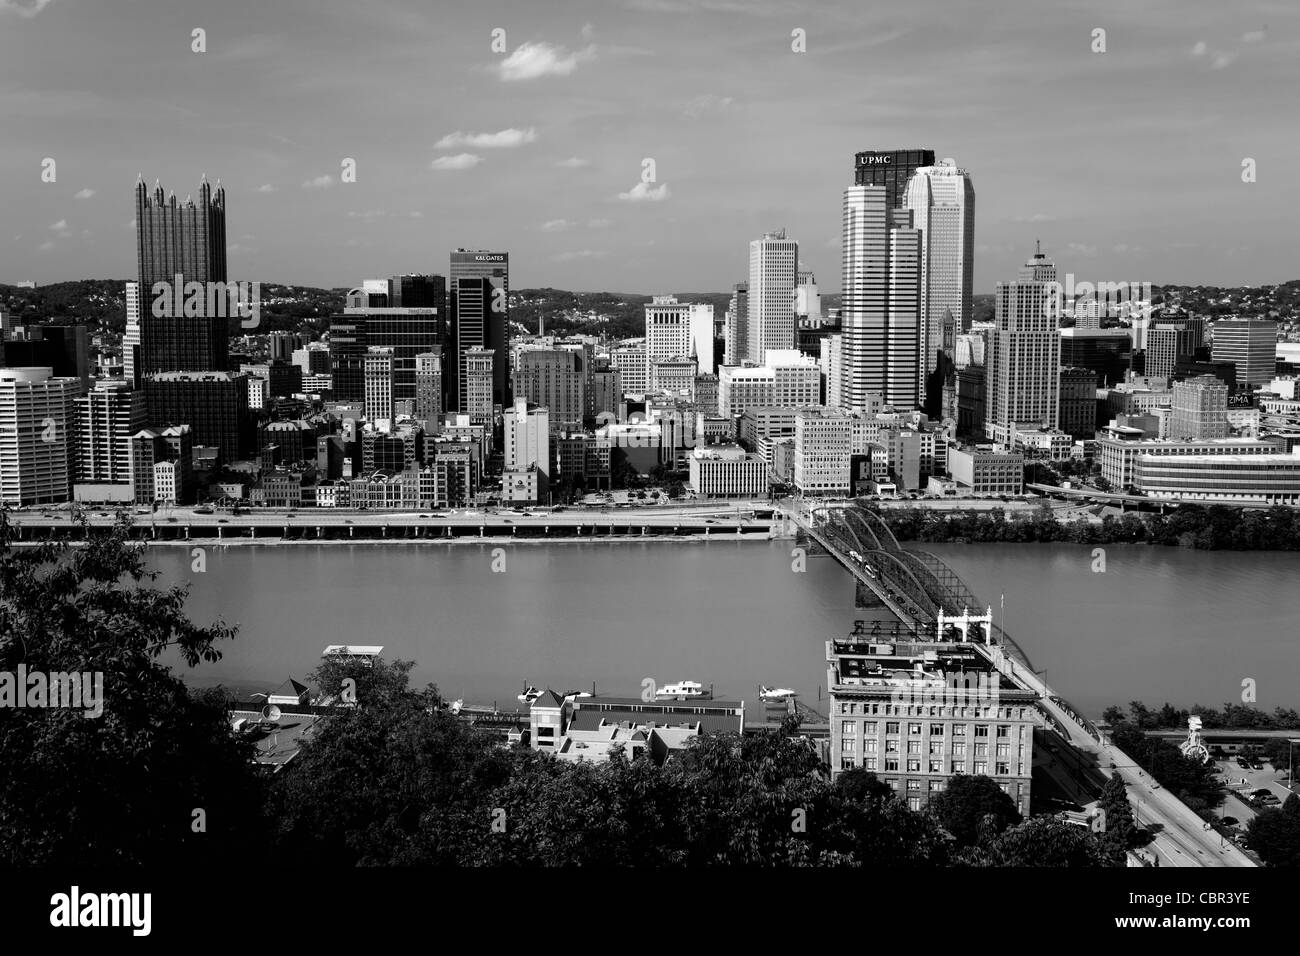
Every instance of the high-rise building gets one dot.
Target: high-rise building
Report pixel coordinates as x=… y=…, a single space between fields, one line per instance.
x=880 y=301
x=557 y=380
x=131 y=337
x=1251 y=345
x=38 y=422
x=187 y=240
x=608 y=387
x=213 y=404
x=630 y=363
x=674 y=329
x=370 y=319
x=787 y=378
x=283 y=345
x=1166 y=344
x=773 y=268
x=428 y=388
x=1078 y=397
x=528 y=442
x=379 y=378
x=108 y=415
x=1200 y=409
x=480 y=318
x=477 y=384
x=736 y=332
x=1108 y=352
x=1024 y=353
x=942 y=201
x=162 y=466
x=891 y=169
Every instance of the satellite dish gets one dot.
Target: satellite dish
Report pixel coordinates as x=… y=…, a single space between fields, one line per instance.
x=270 y=712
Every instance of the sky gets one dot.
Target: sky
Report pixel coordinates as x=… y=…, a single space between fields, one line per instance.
x=1126 y=163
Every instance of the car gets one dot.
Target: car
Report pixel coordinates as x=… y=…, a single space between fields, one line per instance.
x=223 y=521
x=1230 y=821
x=1261 y=792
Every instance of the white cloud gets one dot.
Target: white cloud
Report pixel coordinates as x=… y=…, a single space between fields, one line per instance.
x=706 y=103
x=45 y=246
x=85 y=234
x=60 y=226
x=1254 y=36
x=459 y=161
x=1199 y=49
x=599 y=223
x=573 y=162
x=320 y=182
x=1221 y=60
x=129 y=225
x=531 y=61
x=368 y=214
x=24 y=8
x=644 y=192
x=556 y=225
x=84 y=193
x=506 y=139
x=266 y=188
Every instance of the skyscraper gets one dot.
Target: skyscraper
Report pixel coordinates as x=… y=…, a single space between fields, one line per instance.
x=187 y=240
x=891 y=169
x=1251 y=345
x=37 y=436
x=108 y=415
x=942 y=202
x=556 y=379
x=379 y=387
x=477 y=384
x=736 y=332
x=1200 y=409
x=131 y=336
x=1166 y=344
x=480 y=318
x=428 y=388
x=677 y=329
x=880 y=313
x=773 y=274
x=1024 y=353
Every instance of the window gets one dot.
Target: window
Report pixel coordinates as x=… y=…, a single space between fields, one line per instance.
x=981 y=750
x=893 y=784
x=914 y=803
x=891 y=764
x=1003 y=770
x=958 y=766
x=846 y=763
x=1004 y=750
x=981 y=767
x=959 y=730
x=546 y=731
x=914 y=729
x=891 y=746
x=1004 y=730
x=914 y=766
x=936 y=766
x=981 y=730
x=959 y=750
x=871 y=745
x=936 y=786
x=914 y=785
x=850 y=746
x=936 y=746
x=871 y=726
x=849 y=727
x=914 y=746
x=870 y=763
x=936 y=730
x=891 y=727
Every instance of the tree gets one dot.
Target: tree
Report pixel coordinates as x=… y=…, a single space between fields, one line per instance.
x=1102 y=483
x=1044 y=841
x=1275 y=834
x=157 y=778
x=1119 y=814
x=861 y=785
x=960 y=808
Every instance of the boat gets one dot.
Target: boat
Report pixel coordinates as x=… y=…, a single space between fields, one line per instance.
x=775 y=693
x=575 y=694
x=529 y=695
x=686 y=688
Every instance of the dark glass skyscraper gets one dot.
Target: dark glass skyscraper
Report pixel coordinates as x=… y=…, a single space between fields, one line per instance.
x=409 y=318
x=480 y=320
x=189 y=240
x=890 y=168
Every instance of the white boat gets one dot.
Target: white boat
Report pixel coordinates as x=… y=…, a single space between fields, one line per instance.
x=575 y=694
x=775 y=693
x=686 y=688
x=529 y=695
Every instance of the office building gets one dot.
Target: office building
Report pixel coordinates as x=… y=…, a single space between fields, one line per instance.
x=428 y=387
x=773 y=268
x=213 y=404
x=983 y=470
x=1108 y=352
x=479 y=286
x=187 y=240
x=1268 y=478
x=1168 y=343
x=787 y=379
x=107 y=417
x=880 y=300
x=556 y=379
x=825 y=441
x=38 y=436
x=379 y=375
x=1250 y=345
x=478 y=368
x=1023 y=364
x=528 y=445
x=629 y=361
x=736 y=331
x=890 y=169
x=371 y=319
x=727 y=471
x=1200 y=409
x=131 y=336
x=171 y=447
x=917 y=706
x=1118 y=451
x=674 y=329
x=1078 y=398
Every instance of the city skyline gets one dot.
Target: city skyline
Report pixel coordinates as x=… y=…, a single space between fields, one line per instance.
x=549 y=163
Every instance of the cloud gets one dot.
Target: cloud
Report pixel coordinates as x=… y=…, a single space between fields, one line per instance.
x=599 y=223
x=573 y=162
x=84 y=193
x=129 y=225
x=581 y=254
x=532 y=61
x=588 y=32
x=1254 y=36
x=706 y=103
x=60 y=228
x=24 y=8
x=1199 y=49
x=320 y=182
x=415 y=214
x=240 y=249
x=506 y=139
x=644 y=192
x=459 y=161
x=45 y=246
x=1221 y=60
x=266 y=188
x=556 y=225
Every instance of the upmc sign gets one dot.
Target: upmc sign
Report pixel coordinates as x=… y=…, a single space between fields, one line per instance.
x=875 y=159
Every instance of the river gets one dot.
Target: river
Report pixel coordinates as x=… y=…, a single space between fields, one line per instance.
x=1158 y=624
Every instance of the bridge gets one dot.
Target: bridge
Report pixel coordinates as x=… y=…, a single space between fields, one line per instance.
x=917 y=586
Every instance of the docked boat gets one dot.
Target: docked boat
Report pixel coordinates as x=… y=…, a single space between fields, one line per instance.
x=575 y=694
x=529 y=695
x=686 y=688
x=775 y=693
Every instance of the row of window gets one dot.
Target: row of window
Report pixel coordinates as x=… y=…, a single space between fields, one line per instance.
x=912 y=710
x=892 y=765
x=893 y=727
x=958 y=749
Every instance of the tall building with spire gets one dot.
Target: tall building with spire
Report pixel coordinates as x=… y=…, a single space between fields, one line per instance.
x=186 y=240
x=1023 y=358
